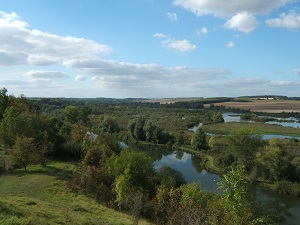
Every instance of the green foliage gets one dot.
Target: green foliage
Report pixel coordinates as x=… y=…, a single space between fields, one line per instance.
x=170 y=177
x=244 y=144
x=24 y=151
x=3 y=101
x=198 y=140
x=192 y=194
x=74 y=114
x=135 y=167
x=233 y=184
x=109 y=124
x=141 y=129
x=276 y=163
x=288 y=188
x=40 y=196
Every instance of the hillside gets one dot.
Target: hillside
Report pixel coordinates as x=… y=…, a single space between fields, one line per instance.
x=40 y=196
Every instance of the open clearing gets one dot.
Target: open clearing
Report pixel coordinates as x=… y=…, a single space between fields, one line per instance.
x=40 y=196
x=268 y=106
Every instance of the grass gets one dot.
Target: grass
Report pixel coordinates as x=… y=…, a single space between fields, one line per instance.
x=259 y=128
x=40 y=196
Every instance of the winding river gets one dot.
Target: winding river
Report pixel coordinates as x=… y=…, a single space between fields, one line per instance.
x=286 y=206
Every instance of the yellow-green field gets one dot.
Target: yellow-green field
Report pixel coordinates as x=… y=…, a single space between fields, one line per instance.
x=40 y=196
x=268 y=106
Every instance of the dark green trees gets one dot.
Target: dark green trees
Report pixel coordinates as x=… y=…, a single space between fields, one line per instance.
x=141 y=129
x=198 y=140
x=3 y=101
x=21 y=126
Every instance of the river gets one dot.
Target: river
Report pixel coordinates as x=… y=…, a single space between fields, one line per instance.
x=234 y=117
x=283 y=205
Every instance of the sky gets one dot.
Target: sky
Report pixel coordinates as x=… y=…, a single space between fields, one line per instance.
x=150 y=48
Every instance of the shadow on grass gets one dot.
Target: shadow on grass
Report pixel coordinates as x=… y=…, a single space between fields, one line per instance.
x=65 y=173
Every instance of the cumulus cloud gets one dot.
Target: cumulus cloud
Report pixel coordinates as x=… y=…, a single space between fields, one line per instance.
x=138 y=80
x=46 y=74
x=290 y=21
x=179 y=45
x=21 y=45
x=297 y=71
x=203 y=30
x=172 y=17
x=159 y=35
x=230 y=44
x=11 y=20
x=149 y=71
x=11 y=58
x=244 y=22
x=80 y=78
x=230 y=8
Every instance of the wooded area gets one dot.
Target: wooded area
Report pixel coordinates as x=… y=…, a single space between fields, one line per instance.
x=108 y=139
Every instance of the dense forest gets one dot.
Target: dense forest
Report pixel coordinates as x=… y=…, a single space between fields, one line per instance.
x=107 y=139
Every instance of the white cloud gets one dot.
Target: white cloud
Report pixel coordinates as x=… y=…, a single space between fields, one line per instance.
x=11 y=58
x=229 y=8
x=179 y=45
x=80 y=78
x=159 y=35
x=203 y=30
x=20 y=45
x=230 y=44
x=244 y=22
x=290 y=21
x=172 y=17
x=297 y=71
x=151 y=80
x=11 y=20
x=112 y=67
x=46 y=74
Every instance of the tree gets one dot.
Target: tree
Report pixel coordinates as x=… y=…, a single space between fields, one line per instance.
x=276 y=162
x=233 y=183
x=3 y=101
x=170 y=177
x=24 y=151
x=109 y=124
x=198 y=140
x=244 y=144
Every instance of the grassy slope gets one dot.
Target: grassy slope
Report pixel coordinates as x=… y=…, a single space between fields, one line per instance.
x=40 y=196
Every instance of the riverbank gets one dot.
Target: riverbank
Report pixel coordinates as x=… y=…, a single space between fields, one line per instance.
x=259 y=128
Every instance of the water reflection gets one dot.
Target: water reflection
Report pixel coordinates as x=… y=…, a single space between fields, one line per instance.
x=190 y=166
x=235 y=117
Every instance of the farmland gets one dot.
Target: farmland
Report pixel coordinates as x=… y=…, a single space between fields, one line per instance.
x=268 y=106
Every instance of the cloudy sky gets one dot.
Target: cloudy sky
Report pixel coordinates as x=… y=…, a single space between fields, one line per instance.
x=150 y=48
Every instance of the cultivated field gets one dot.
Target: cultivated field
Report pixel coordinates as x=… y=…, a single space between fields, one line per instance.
x=170 y=100
x=269 y=106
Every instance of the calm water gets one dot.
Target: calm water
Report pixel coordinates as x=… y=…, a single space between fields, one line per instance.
x=186 y=163
x=234 y=117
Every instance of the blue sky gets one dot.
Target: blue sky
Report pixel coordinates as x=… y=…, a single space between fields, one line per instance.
x=150 y=48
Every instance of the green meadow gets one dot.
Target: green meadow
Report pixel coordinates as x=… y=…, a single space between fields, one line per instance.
x=41 y=196
x=258 y=128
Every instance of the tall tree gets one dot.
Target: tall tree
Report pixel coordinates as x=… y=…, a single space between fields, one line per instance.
x=244 y=144
x=24 y=151
x=198 y=140
x=3 y=101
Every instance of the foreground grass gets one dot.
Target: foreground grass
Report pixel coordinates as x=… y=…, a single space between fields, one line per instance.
x=40 y=196
x=259 y=128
